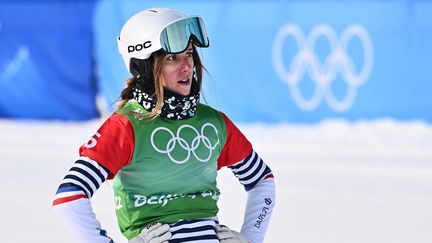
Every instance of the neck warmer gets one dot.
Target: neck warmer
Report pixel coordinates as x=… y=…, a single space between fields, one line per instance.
x=175 y=107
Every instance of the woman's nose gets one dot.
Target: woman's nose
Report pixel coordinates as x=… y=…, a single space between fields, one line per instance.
x=186 y=64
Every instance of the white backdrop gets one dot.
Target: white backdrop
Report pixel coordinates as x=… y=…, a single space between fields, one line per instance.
x=337 y=182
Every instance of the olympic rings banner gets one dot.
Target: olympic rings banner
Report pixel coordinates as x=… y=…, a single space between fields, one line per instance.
x=277 y=61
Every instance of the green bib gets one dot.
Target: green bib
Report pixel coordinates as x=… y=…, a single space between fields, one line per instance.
x=172 y=175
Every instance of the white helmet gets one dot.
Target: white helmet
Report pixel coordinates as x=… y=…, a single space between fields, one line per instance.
x=159 y=28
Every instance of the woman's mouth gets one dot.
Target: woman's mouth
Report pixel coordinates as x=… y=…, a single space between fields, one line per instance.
x=184 y=81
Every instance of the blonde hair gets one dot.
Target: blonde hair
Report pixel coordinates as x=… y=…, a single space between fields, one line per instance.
x=127 y=93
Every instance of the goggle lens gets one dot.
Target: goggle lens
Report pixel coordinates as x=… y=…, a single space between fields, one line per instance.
x=175 y=38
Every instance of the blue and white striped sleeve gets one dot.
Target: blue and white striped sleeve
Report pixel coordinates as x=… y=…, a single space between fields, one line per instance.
x=72 y=200
x=82 y=181
x=257 y=179
x=251 y=170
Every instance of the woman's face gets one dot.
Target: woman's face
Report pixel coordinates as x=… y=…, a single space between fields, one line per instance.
x=177 y=71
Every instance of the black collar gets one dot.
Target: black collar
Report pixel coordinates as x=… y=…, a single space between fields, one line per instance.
x=175 y=107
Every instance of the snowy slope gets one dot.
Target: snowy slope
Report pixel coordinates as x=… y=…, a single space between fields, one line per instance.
x=337 y=182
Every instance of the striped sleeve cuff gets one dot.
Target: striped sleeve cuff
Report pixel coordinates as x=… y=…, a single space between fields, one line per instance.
x=81 y=181
x=251 y=170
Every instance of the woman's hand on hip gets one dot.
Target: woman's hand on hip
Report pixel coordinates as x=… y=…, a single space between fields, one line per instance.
x=226 y=235
x=153 y=233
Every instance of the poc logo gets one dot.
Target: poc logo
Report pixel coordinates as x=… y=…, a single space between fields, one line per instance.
x=139 y=47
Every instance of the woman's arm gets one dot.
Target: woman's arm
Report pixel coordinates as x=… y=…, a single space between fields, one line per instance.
x=258 y=181
x=101 y=157
x=72 y=200
x=256 y=177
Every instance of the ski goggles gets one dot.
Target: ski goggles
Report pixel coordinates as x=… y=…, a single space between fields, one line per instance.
x=175 y=37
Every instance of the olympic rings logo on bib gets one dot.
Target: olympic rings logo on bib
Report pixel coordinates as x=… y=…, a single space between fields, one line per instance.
x=186 y=148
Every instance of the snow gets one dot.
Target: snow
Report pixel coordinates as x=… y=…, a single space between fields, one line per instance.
x=337 y=181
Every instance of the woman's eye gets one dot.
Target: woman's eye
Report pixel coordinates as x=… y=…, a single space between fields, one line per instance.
x=171 y=58
x=189 y=53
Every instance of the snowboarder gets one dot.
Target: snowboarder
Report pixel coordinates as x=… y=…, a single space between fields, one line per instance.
x=162 y=147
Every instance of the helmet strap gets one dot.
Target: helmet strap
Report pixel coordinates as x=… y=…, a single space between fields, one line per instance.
x=143 y=71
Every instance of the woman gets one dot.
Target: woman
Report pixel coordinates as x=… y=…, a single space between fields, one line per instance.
x=163 y=148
